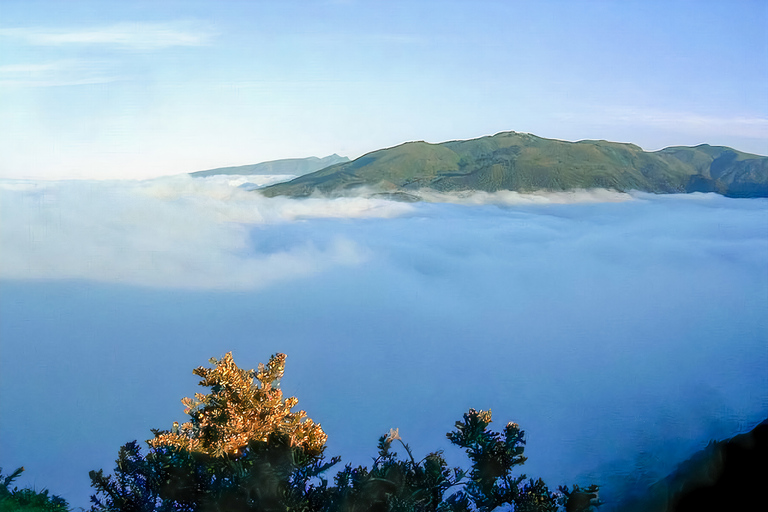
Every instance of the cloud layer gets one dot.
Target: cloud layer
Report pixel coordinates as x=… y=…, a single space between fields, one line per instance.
x=185 y=232
x=622 y=334
x=173 y=232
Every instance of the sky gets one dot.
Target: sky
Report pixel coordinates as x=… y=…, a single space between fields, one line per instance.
x=134 y=90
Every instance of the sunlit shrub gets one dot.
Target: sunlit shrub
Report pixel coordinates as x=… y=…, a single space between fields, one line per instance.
x=245 y=450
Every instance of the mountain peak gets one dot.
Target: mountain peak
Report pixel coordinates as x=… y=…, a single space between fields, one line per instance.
x=525 y=162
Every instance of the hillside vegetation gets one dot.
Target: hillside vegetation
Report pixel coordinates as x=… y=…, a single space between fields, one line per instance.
x=524 y=162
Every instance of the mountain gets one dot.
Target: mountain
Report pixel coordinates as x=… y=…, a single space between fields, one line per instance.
x=525 y=162
x=294 y=166
x=726 y=475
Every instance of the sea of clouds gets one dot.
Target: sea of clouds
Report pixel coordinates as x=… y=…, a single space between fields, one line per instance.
x=622 y=331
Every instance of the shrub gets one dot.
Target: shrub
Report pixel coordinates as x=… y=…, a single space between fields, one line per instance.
x=27 y=500
x=244 y=450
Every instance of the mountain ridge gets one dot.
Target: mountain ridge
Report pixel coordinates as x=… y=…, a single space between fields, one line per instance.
x=524 y=162
x=294 y=166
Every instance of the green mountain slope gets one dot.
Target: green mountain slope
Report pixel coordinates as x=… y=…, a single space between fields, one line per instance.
x=295 y=166
x=524 y=162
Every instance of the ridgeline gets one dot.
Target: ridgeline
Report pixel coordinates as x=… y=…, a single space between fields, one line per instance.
x=295 y=166
x=525 y=163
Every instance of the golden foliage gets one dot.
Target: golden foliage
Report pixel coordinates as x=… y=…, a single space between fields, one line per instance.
x=238 y=411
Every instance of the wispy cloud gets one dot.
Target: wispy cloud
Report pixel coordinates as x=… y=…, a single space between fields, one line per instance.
x=742 y=126
x=55 y=73
x=143 y=36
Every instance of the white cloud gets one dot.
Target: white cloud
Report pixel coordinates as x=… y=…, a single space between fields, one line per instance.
x=509 y=197
x=177 y=232
x=703 y=124
x=207 y=233
x=144 y=36
x=31 y=69
x=184 y=232
x=56 y=73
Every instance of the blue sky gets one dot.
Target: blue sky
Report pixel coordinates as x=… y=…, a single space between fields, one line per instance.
x=141 y=89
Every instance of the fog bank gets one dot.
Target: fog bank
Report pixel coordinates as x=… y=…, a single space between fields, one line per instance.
x=622 y=331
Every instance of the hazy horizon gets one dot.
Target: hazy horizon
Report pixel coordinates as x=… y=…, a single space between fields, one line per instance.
x=284 y=178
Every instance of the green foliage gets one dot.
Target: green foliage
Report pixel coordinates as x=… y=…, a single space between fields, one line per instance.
x=493 y=456
x=27 y=500
x=267 y=475
x=524 y=162
x=580 y=498
x=275 y=470
x=392 y=484
x=275 y=475
x=244 y=449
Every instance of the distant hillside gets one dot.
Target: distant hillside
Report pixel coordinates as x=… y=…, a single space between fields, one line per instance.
x=726 y=475
x=524 y=162
x=295 y=166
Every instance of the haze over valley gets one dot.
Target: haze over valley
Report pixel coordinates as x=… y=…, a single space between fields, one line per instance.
x=623 y=331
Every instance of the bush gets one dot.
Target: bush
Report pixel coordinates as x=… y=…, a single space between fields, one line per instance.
x=244 y=450
x=27 y=500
